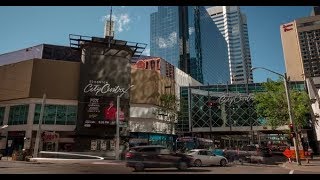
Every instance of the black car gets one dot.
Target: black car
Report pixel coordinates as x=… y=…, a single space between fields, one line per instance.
x=264 y=152
x=155 y=156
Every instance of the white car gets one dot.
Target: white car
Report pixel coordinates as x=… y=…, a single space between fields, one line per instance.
x=206 y=157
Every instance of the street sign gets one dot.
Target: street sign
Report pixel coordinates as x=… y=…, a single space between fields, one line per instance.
x=288 y=153
x=292 y=154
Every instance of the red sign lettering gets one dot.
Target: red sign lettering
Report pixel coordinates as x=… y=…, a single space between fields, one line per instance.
x=287 y=27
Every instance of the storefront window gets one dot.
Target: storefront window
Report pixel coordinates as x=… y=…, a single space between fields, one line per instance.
x=56 y=114
x=18 y=114
x=71 y=115
x=50 y=112
x=2 y=115
x=61 y=115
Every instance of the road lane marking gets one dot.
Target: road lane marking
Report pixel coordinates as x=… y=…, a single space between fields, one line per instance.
x=291 y=172
x=110 y=163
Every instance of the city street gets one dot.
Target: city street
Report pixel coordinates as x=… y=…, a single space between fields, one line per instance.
x=111 y=167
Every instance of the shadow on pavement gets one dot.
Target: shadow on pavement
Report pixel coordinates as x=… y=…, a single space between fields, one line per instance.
x=174 y=170
x=259 y=160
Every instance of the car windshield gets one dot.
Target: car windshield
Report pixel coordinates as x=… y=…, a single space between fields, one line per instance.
x=191 y=151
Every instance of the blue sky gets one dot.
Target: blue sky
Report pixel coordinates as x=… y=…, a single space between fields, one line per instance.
x=22 y=27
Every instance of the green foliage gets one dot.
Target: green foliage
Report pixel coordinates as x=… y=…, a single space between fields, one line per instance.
x=168 y=108
x=273 y=106
x=168 y=101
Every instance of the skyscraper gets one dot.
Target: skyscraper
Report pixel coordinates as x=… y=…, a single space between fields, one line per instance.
x=301 y=47
x=186 y=37
x=233 y=26
x=315 y=11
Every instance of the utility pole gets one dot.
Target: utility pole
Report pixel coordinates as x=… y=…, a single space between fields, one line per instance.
x=37 y=143
x=295 y=143
x=287 y=89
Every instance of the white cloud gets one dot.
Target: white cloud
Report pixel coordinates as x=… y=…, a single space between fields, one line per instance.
x=167 y=42
x=122 y=21
x=146 y=52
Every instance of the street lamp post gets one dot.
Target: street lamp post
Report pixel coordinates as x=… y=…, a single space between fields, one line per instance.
x=117 y=123
x=287 y=89
x=38 y=136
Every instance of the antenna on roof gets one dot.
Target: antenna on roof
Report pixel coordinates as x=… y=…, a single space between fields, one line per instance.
x=110 y=23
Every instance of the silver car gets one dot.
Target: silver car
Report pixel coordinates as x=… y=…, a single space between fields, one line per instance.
x=205 y=157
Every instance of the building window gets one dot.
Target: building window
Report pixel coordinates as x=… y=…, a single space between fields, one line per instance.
x=153 y=65
x=61 y=115
x=2 y=115
x=56 y=114
x=18 y=114
x=158 y=64
x=71 y=115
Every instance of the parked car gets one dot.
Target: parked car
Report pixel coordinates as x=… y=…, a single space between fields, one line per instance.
x=155 y=156
x=206 y=157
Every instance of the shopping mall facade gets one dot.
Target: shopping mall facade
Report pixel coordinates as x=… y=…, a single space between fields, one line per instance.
x=226 y=114
x=73 y=119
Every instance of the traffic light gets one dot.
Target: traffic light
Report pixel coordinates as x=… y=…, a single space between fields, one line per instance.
x=291 y=127
x=213 y=103
x=210 y=104
x=292 y=133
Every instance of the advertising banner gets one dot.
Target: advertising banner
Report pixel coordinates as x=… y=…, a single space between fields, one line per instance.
x=105 y=73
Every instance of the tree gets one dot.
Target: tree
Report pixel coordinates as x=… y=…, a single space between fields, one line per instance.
x=272 y=105
x=168 y=109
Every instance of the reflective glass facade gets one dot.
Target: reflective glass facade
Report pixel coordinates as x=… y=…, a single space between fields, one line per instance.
x=164 y=30
x=187 y=38
x=18 y=114
x=233 y=26
x=56 y=114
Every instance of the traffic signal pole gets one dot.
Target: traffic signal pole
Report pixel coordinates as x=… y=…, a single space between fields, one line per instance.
x=287 y=89
x=295 y=143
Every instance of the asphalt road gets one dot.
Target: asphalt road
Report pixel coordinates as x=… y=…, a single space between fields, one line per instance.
x=109 y=167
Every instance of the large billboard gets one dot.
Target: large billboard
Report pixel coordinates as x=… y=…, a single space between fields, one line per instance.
x=104 y=74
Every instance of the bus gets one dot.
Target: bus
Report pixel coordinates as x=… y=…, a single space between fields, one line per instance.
x=185 y=144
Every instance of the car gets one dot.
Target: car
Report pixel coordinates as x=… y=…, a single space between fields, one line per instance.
x=264 y=152
x=206 y=157
x=156 y=156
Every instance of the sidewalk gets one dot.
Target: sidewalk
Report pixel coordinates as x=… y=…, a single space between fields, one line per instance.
x=61 y=161
x=312 y=166
x=5 y=158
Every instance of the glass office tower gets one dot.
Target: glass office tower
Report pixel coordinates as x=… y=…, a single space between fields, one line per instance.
x=232 y=24
x=186 y=37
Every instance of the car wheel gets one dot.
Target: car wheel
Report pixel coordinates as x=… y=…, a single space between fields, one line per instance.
x=223 y=162
x=182 y=166
x=138 y=167
x=197 y=163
